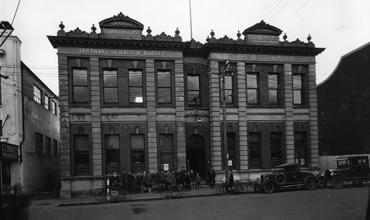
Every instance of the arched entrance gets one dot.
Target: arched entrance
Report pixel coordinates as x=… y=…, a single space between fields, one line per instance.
x=196 y=154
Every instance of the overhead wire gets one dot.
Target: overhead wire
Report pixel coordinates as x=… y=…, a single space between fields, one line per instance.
x=16 y=10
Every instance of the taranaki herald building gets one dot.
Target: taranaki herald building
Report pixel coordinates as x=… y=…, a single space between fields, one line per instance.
x=145 y=103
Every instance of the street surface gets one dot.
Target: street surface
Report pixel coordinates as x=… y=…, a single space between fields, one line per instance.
x=333 y=204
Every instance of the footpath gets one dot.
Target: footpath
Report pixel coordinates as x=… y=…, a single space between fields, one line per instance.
x=131 y=197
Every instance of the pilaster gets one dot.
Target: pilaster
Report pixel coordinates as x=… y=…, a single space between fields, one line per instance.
x=242 y=111
x=180 y=114
x=151 y=116
x=289 y=128
x=214 y=104
x=312 y=99
x=64 y=146
x=96 y=156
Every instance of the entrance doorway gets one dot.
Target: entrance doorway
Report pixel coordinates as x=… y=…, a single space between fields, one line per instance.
x=196 y=155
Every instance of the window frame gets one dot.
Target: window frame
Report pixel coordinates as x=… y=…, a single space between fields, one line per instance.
x=166 y=153
x=277 y=88
x=39 y=147
x=170 y=87
x=73 y=86
x=36 y=98
x=260 y=161
x=256 y=88
x=304 y=148
x=105 y=102
x=279 y=151
x=113 y=152
x=198 y=102
x=141 y=151
x=141 y=87
x=301 y=89
x=47 y=102
x=88 y=152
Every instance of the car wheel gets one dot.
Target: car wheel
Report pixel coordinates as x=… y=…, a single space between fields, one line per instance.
x=311 y=184
x=257 y=187
x=338 y=182
x=321 y=182
x=280 y=179
x=268 y=187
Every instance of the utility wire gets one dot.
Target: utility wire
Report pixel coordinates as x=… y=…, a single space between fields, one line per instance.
x=298 y=10
x=273 y=9
x=16 y=10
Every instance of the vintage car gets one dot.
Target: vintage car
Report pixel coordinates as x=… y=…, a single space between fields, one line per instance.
x=354 y=168
x=286 y=176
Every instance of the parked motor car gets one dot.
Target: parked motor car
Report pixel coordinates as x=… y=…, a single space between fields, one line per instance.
x=354 y=168
x=286 y=176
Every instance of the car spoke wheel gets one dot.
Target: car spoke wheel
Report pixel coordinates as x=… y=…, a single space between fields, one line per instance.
x=257 y=187
x=220 y=189
x=321 y=182
x=100 y=195
x=268 y=187
x=311 y=184
x=338 y=182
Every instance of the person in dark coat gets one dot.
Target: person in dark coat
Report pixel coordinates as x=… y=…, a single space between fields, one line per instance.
x=124 y=180
x=231 y=180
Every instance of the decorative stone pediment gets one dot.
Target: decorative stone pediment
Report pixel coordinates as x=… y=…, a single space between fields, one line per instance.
x=121 y=27
x=262 y=28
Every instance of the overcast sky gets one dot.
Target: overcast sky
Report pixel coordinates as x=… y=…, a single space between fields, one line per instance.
x=340 y=26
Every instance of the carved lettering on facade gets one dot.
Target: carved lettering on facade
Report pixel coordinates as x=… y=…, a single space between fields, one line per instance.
x=120 y=31
x=262 y=58
x=92 y=51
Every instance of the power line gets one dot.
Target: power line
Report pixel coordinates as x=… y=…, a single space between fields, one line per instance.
x=273 y=9
x=16 y=10
x=277 y=12
x=299 y=9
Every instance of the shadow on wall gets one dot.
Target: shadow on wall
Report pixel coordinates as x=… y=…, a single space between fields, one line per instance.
x=41 y=173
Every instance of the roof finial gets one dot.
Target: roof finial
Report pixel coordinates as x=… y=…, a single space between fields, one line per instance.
x=61 y=26
x=309 y=38
x=177 y=32
x=285 y=37
x=212 y=33
x=148 y=30
x=238 y=34
x=93 y=28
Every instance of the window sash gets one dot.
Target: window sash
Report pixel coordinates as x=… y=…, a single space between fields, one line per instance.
x=46 y=102
x=252 y=88
x=79 y=77
x=255 y=151
x=164 y=88
x=110 y=78
x=37 y=94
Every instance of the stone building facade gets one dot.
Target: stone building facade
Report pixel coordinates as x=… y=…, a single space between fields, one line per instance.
x=148 y=103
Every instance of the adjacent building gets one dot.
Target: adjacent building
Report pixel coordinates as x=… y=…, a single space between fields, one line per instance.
x=29 y=125
x=153 y=102
x=344 y=108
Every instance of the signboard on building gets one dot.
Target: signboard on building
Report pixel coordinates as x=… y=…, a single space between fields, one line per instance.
x=8 y=151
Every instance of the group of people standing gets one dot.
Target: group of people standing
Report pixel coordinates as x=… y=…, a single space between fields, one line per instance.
x=181 y=179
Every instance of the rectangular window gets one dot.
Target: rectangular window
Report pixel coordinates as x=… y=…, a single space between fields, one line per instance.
x=276 y=139
x=39 y=144
x=81 y=155
x=229 y=82
x=166 y=158
x=137 y=153
x=273 y=87
x=53 y=107
x=55 y=148
x=48 y=146
x=297 y=89
x=110 y=86
x=37 y=94
x=164 y=88
x=112 y=152
x=193 y=90
x=46 y=102
x=80 y=87
x=232 y=150
x=252 y=88
x=301 y=148
x=254 y=144
x=135 y=86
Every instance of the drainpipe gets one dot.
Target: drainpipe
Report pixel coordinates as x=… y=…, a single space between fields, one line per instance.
x=23 y=133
